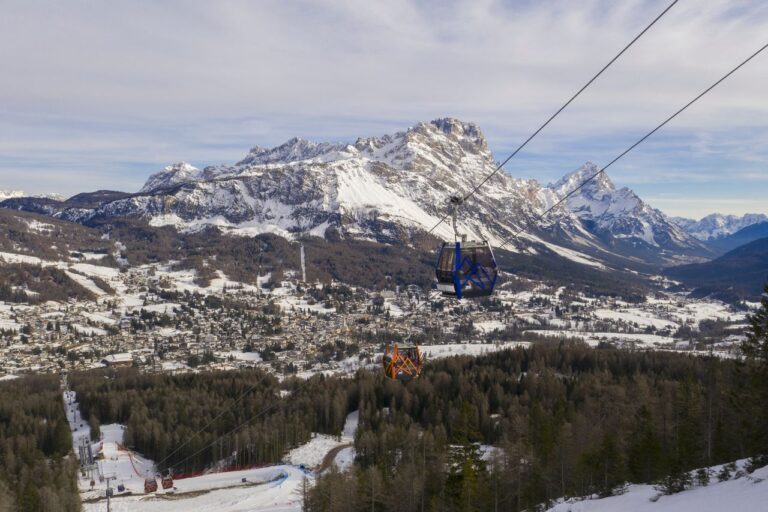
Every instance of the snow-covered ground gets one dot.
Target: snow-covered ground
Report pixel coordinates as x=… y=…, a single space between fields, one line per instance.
x=313 y=453
x=489 y=326
x=471 y=349
x=113 y=460
x=594 y=338
x=635 y=316
x=746 y=493
x=345 y=458
x=77 y=425
x=270 y=489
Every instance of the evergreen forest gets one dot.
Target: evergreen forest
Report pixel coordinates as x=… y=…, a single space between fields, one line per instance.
x=37 y=470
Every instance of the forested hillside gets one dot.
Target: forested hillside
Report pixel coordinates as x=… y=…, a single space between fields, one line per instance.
x=35 y=474
x=736 y=274
x=163 y=413
x=567 y=421
x=570 y=421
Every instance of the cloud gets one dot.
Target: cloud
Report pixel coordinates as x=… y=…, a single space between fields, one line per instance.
x=91 y=85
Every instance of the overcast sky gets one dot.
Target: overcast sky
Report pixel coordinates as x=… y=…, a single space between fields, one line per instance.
x=101 y=94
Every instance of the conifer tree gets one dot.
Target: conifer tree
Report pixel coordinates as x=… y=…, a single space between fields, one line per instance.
x=755 y=397
x=95 y=426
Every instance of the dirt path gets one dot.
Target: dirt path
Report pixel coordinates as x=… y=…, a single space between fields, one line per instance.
x=330 y=456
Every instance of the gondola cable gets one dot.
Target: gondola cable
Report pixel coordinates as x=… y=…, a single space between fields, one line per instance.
x=530 y=222
x=200 y=431
x=553 y=116
x=405 y=362
x=241 y=425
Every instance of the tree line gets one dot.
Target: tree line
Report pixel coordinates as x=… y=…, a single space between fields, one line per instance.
x=35 y=439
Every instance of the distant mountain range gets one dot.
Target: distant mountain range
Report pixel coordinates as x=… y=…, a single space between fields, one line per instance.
x=392 y=189
x=739 y=238
x=716 y=225
x=10 y=194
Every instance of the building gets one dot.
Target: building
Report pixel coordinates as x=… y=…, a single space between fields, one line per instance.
x=118 y=360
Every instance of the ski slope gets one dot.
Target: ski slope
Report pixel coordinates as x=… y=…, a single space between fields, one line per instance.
x=276 y=488
x=740 y=493
x=270 y=489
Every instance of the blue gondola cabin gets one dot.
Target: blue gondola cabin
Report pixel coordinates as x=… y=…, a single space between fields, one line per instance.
x=466 y=269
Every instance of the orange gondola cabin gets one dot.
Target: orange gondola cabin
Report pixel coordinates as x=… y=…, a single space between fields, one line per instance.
x=403 y=363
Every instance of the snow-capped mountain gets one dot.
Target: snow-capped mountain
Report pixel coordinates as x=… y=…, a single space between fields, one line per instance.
x=8 y=194
x=16 y=194
x=716 y=225
x=619 y=213
x=390 y=188
x=174 y=174
x=378 y=188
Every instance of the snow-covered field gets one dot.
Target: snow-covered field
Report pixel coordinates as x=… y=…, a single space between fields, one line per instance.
x=270 y=489
x=312 y=454
x=594 y=338
x=639 y=317
x=127 y=468
x=747 y=493
x=470 y=349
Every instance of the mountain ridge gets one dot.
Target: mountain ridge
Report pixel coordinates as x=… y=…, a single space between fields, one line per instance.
x=740 y=272
x=740 y=237
x=385 y=189
x=716 y=225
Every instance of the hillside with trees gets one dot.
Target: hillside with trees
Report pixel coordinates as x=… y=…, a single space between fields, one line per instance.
x=37 y=471
x=734 y=275
x=567 y=421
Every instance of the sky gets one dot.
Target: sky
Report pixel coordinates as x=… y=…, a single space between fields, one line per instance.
x=99 y=95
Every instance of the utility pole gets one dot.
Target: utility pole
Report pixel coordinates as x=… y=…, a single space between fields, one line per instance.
x=303 y=266
x=258 y=271
x=109 y=491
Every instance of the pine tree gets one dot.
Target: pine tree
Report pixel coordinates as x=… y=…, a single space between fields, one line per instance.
x=95 y=426
x=7 y=503
x=755 y=350
x=646 y=456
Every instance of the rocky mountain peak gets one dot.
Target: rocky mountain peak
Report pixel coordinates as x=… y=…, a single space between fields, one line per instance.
x=466 y=131
x=293 y=150
x=465 y=134
x=619 y=213
x=174 y=174
x=599 y=186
